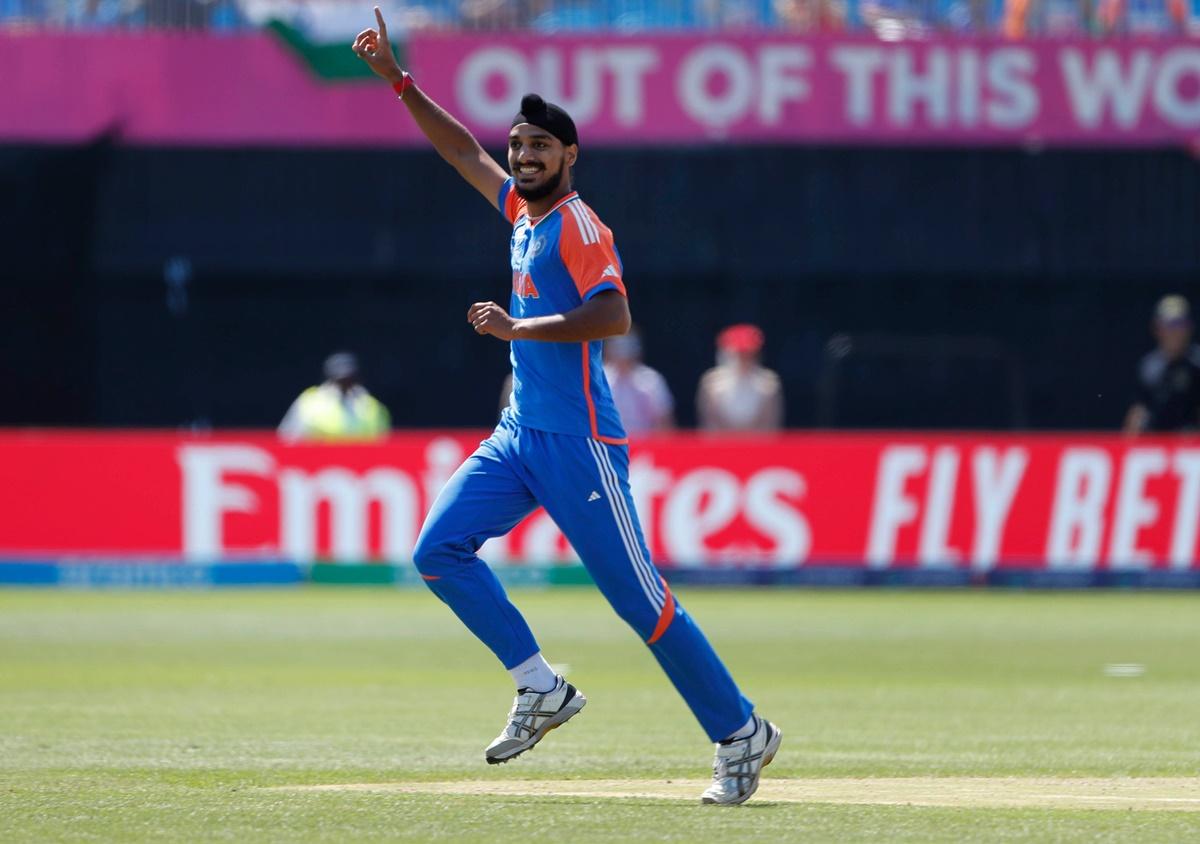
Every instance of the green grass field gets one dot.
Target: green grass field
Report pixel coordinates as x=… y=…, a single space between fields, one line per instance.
x=191 y=716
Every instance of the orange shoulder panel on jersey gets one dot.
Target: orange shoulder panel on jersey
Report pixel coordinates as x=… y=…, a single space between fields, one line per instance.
x=586 y=248
x=514 y=205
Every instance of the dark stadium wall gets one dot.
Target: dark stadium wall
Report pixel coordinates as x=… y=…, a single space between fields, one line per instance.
x=951 y=288
x=48 y=328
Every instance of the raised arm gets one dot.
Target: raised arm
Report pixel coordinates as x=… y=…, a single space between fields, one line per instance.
x=449 y=137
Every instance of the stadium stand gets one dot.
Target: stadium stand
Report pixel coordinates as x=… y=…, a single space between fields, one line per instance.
x=886 y=19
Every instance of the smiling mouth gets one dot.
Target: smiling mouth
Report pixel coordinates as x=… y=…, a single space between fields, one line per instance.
x=528 y=172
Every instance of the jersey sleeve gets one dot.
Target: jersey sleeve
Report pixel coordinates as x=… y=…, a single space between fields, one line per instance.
x=587 y=251
x=509 y=202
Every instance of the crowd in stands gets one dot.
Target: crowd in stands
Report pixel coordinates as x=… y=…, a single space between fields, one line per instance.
x=888 y=19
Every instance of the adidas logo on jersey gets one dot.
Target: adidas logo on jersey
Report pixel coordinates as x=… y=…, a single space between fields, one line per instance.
x=595 y=496
x=610 y=272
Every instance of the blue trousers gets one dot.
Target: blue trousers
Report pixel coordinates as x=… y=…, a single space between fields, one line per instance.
x=584 y=486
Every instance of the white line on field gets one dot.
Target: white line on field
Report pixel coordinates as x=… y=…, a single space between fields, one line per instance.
x=1150 y=793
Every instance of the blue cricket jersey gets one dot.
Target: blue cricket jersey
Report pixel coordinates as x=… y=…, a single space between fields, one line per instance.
x=560 y=260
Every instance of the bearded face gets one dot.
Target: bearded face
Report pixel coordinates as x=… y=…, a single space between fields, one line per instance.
x=538 y=162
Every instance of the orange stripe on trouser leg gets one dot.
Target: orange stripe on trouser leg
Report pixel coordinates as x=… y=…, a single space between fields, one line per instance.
x=668 y=613
x=431 y=577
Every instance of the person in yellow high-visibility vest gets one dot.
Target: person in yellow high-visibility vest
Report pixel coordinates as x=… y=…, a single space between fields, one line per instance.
x=339 y=409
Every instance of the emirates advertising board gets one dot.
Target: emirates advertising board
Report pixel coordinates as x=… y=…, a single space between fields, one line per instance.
x=965 y=508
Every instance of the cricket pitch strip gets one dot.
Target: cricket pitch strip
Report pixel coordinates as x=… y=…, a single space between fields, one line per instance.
x=1176 y=794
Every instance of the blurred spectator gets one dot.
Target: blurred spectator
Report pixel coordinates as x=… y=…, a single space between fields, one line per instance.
x=640 y=393
x=966 y=17
x=1016 y=18
x=1168 y=394
x=1142 y=17
x=739 y=394
x=1158 y=17
x=176 y=14
x=637 y=15
x=491 y=14
x=810 y=15
x=102 y=13
x=727 y=14
x=1063 y=18
x=1189 y=16
x=567 y=15
x=339 y=409
x=896 y=20
x=1054 y=18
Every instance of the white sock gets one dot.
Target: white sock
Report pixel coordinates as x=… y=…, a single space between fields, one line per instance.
x=535 y=674
x=746 y=731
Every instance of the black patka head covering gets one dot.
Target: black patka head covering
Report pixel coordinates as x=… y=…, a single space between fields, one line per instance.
x=537 y=112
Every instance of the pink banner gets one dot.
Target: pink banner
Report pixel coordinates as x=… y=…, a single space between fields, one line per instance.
x=784 y=89
x=250 y=89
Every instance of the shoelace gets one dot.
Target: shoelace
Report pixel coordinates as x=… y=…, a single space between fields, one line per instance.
x=514 y=727
x=740 y=768
x=526 y=724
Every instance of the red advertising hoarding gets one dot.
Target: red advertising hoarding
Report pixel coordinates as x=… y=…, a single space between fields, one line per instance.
x=880 y=501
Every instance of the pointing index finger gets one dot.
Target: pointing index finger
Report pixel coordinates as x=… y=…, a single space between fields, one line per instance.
x=379 y=20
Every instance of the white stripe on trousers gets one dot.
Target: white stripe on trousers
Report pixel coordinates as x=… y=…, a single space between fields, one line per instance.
x=651 y=573
x=626 y=519
x=645 y=572
x=628 y=537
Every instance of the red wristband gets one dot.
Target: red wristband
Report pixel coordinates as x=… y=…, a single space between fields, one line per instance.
x=406 y=82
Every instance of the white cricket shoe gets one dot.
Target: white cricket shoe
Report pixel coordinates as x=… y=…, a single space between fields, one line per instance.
x=739 y=764
x=533 y=715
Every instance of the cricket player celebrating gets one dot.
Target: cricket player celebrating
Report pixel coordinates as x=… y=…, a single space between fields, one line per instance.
x=560 y=443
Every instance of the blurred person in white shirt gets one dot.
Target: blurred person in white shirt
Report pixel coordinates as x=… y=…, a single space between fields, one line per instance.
x=739 y=393
x=640 y=393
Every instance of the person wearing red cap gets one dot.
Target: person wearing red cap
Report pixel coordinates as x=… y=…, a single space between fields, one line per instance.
x=739 y=393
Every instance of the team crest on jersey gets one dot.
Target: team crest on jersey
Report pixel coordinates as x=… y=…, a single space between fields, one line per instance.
x=523 y=286
x=535 y=248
